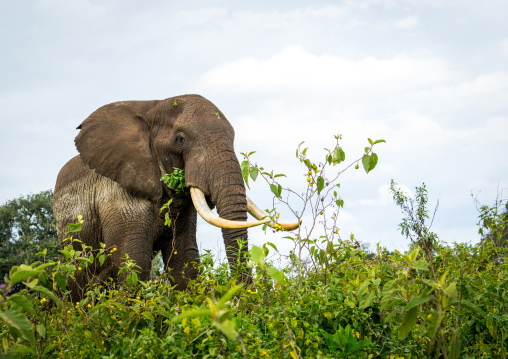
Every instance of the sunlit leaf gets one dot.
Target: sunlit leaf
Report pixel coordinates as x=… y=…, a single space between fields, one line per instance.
x=18 y=321
x=23 y=302
x=254 y=173
x=245 y=172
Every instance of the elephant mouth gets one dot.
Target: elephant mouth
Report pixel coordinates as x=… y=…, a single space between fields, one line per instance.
x=201 y=205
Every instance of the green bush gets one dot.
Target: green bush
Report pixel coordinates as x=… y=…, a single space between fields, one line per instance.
x=329 y=299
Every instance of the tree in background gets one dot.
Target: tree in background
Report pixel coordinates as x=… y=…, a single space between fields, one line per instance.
x=27 y=226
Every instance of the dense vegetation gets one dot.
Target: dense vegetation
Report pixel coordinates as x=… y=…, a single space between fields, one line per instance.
x=27 y=226
x=330 y=299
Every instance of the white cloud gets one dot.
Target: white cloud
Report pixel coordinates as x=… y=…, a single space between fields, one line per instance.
x=407 y=23
x=298 y=70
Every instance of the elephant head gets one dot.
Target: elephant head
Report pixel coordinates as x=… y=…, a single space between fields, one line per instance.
x=134 y=143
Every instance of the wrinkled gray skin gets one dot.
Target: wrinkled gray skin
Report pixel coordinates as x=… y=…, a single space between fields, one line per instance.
x=114 y=183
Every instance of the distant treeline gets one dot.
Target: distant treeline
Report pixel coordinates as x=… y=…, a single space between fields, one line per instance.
x=27 y=226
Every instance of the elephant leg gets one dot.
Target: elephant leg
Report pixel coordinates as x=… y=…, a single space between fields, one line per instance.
x=130 y=226
x=179 y=249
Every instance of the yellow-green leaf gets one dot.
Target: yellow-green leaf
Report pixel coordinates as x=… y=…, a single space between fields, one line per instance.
x=18 y=321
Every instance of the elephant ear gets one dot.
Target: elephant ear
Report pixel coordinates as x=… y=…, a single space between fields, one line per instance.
x=115 y=142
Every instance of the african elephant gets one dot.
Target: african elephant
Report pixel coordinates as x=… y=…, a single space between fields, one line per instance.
x=114 y=183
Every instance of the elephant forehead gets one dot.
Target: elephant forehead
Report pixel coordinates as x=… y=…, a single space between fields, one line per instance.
x=206 y=121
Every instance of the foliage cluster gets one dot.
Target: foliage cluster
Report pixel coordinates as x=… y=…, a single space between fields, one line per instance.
x=380 y=307
x=332 y=299
x=176 y=181
x=27 y=226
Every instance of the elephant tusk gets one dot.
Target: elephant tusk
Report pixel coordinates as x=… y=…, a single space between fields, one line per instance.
x=257 y=213
x=198 y=198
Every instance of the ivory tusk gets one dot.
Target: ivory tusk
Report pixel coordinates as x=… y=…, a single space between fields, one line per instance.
x=198 y=198
x=257 y=213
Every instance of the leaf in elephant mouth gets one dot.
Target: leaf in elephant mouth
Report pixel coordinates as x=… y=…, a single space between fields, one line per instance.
x=176 y=181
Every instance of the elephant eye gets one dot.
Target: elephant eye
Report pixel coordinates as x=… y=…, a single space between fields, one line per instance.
x=180 y=139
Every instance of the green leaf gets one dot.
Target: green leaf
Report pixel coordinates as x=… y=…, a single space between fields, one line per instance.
x=245 y=172
x=408 y=322
x=132 y=279
x=84 y=260
x=366 y=300
x=373 y=161
x=320 y=184
x=363 y=288
x=227 y=328
x=19 y=349
x=420 y=265
x=148 y=316
x=416 y=301
x=254 y=173
x=470 y=306
x=102 y=258
x=427 y=282
x=276 y=190
x=45 y=265
x=451 y=291
x=369 y=162
x=73 y=227
x=23 y=302
x=41 y=329
x=257 y=254
x=370 y=141
x=378 y=141
x=351 y=348
x=23 y=273
x=164 y=206
x=338 y=155
x=227 y=297
x=331 y=340
x=43 y=253
x=47 y=293
x=307 y=163
x=340 y=203
x=280 y=175
x=273 y=245
x=366 y=162
x=32 y=283
x=388 y=286
x=387 y=302
x=167 y=220
x=276 y=274
x=66 y=254
x=15 y=319
x=193 y=313
x=434 y=324
x=61 y=281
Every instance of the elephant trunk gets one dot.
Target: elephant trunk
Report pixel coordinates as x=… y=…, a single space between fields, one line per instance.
x=232 y=205
x=224 y=187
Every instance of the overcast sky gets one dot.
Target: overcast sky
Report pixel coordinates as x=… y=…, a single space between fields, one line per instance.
x=430 y=77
